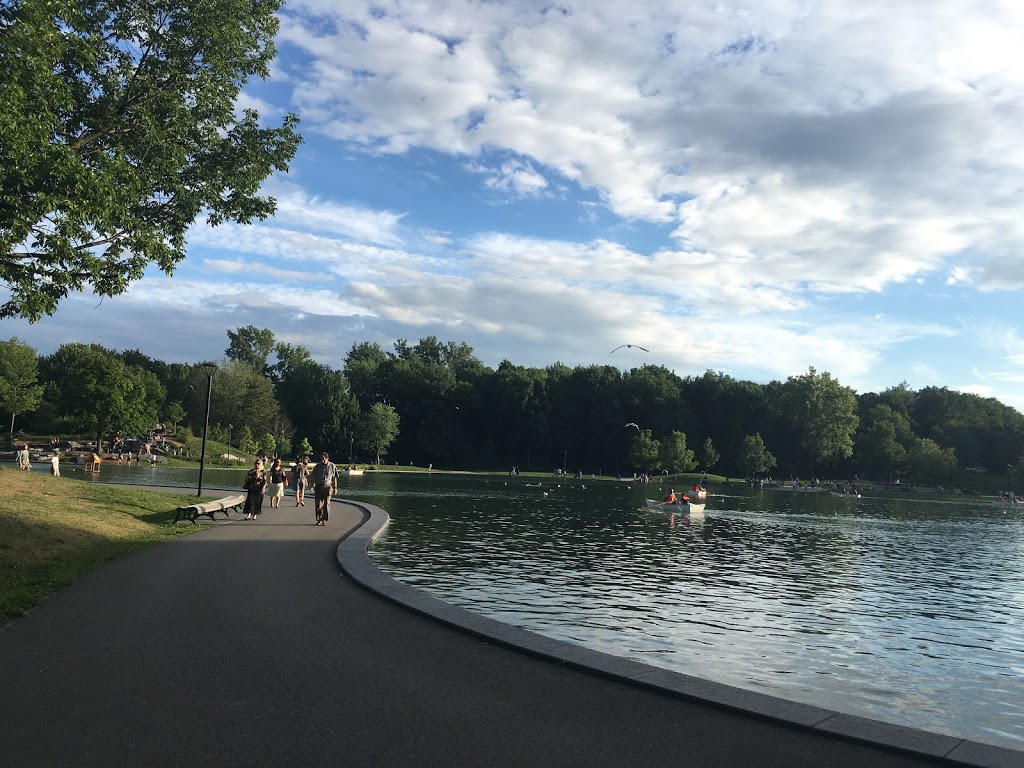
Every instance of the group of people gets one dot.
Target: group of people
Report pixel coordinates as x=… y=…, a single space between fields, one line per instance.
x=25 y=461
x=260 y=482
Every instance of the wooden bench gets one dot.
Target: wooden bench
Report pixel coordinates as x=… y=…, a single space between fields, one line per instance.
x=208 y=508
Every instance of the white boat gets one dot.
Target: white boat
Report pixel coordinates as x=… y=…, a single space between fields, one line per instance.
x=839 y=495
x=679 y=509
x=351 y=471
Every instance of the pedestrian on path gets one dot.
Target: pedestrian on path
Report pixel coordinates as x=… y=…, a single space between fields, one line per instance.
x=277 y=481
x=300 y=472
x=24 y=462
x=255 y=486
x=325 y=484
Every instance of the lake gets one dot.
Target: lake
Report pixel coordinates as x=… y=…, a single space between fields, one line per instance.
x=904 y=608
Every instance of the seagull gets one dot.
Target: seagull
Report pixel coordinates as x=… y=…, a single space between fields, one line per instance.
x=629 y=345
x=632 y=424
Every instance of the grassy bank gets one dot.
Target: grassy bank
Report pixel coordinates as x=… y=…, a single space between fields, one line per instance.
x=54 y=529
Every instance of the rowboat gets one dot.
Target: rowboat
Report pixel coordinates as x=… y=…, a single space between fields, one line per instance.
x=700 y=495
x=351 y=471
x=839 y=495
x=679 y=509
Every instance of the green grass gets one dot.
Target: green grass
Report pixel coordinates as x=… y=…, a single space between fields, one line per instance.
x=56 y=529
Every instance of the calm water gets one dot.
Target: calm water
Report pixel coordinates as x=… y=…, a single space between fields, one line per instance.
x=903 y=609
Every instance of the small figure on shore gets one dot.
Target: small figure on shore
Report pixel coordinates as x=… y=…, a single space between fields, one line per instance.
x=324 y=478
x=255 y=485
x=24 y=462
x=94 y=462
x=55 y=464
x=300 y=472
x=277 y=482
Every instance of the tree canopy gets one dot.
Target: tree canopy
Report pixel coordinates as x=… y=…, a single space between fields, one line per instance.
x=455 y=412
x=19 y=369
x=119 y=130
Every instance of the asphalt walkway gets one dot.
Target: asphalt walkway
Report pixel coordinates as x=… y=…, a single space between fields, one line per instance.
x=245 y=644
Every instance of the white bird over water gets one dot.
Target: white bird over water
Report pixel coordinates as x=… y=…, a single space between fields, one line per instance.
x=632 y=424
x=629 y=345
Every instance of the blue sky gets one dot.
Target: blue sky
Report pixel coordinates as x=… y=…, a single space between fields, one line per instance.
x=750 y=188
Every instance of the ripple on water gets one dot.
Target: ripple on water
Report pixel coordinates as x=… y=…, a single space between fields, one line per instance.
x=896 y=609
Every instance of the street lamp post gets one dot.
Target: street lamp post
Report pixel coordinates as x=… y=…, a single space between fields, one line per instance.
x=565 y=456
x=230 y=460
x=209 y=369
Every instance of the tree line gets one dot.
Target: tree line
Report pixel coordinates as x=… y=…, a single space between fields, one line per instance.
x=435 y=403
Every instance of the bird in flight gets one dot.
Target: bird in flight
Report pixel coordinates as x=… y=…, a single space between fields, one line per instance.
x=632 y=424
x=629 y=345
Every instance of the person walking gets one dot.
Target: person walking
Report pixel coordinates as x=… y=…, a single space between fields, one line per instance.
x=300 y=474
x=255 y=485
x=24 y=462
x=277 y=482
x=324 y=478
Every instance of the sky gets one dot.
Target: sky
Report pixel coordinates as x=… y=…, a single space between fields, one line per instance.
x=752 y=188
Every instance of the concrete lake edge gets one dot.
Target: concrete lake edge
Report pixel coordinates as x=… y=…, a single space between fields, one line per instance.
x=352 y=556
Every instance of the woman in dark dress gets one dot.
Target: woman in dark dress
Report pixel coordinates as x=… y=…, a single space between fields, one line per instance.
x=256 y=485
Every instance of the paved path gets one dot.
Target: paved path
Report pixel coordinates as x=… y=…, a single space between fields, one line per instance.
x=245 y=645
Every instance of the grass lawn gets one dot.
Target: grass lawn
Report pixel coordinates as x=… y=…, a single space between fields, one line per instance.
x=55 y=529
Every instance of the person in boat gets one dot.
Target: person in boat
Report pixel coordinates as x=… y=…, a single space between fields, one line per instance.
x=670 y=497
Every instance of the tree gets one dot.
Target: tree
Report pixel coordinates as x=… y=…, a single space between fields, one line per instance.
x=319 y=404
x=379 y=428
x=674 y=455
x=19 y=370
x=268 y=444
x=708 y=456
x=99 y=393
x=174 y=412
x=119 y=130
x=926 y=460
x=882 y=441
x=754 y=457
x=824 y=415
x=643 y=452
x=251 y=345
x=305 y=449
x=245 y=439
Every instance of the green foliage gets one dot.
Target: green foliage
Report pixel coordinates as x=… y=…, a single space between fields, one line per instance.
x=120 y=130
x=378 y=429
x=174 y=412
x=269 y=444
x=927 y=461
x=305 y=449
x=708 y=456
x=674 y=455
x=319 y=403
x=644 y=451
x=240 y=397
x=245 y=439
x=98 y=393
x=252 y=346
x=824 y=415
x=882 y=442
x=19 y=372
x=754 y=457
